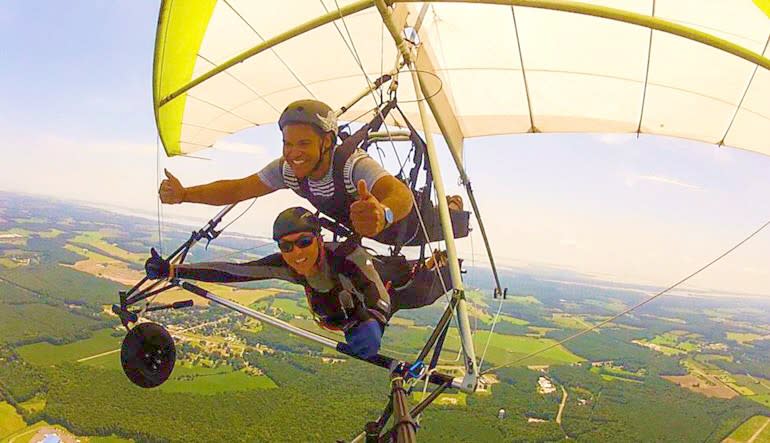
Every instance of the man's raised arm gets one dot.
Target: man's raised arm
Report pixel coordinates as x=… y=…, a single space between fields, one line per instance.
x=218 y=193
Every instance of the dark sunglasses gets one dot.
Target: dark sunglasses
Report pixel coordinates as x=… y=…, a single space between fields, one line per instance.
x=302 y=243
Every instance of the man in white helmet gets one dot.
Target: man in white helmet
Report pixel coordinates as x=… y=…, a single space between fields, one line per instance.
x=342 y=182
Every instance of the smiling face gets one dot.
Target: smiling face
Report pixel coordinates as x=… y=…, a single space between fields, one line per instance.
x=303 y=260
x=302 y=149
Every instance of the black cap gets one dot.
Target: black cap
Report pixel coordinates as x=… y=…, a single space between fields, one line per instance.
x=293 y=220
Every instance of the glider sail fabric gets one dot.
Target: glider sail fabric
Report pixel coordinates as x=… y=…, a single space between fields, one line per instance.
x=501 y=67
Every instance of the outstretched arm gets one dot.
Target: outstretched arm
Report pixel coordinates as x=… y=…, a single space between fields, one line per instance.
x=266 y=268
x=218 y=193
x=224 y=192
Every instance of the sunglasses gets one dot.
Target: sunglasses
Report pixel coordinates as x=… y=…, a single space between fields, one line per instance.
x=302 y=243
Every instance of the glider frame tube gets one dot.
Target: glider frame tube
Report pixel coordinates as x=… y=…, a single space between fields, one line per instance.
x=633 y=18
x=471 y=366
x=329 y=17
x=472 y=370
x=383 y=361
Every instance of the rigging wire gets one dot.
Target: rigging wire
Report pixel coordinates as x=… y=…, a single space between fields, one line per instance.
x=157 y=186
x=254 y=200
x=387 y=129
x=436 y=269
x=632 y=308
x=160 y=217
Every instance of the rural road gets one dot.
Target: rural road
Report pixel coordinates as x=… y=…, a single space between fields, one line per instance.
x=98 y=355
x=177 y=332
x=561 y=406
x=759 y=431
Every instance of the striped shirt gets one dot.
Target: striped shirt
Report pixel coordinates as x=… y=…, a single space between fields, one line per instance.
x=359 y=166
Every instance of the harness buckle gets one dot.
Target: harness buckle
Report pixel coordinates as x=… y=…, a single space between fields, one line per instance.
x=416 y=369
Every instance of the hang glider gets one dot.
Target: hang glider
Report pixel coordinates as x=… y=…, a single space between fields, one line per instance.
x=691 y=69
x=683 y=68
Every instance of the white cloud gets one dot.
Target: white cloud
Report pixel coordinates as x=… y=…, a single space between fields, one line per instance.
x=631 y=180
x=103 y=147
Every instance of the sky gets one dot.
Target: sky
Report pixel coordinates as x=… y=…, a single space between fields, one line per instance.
x=77 y=123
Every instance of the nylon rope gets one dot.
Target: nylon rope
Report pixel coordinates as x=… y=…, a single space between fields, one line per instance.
x=632 y=308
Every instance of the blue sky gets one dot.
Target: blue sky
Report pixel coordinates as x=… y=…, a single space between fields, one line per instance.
x=78 y=124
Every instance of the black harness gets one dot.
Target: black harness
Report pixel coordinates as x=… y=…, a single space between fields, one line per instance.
x=338 y=205
x=338 y=308
x=407 y=231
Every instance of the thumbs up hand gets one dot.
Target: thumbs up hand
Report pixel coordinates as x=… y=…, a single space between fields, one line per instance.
x=171 y=190
x=156 y=266
x=367 y=214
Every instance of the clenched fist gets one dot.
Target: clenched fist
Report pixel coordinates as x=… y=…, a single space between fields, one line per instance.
x=367 y=214
x=171 y=190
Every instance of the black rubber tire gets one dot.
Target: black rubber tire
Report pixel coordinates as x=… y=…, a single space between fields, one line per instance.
x=148 y=355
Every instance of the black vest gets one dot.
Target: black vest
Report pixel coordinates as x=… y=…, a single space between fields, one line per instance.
x=338 y=205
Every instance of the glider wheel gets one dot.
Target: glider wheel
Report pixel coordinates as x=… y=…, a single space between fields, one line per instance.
x=148 y=355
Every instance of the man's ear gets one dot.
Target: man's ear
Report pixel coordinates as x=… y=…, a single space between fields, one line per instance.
x=328 y=140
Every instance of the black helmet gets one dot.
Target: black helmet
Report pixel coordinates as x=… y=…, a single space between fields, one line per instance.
x=293 y=220
x=312 y=112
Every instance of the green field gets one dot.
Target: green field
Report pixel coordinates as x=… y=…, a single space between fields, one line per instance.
x=513 y=320
x=10 y=421
x=111 y=439
x=674 y=340
x=458 y=399
x=743 y=338
x=249 y=296
x=196 y=381
x=34 y=405
x=522 y=299
x=90 y=255
x=505 y=348
x=35 y=321
x=610 y=374
x=607 y=377
x=763 y=399
x=26 y=434
x=108 y=361
x=758 y=385
x=404 y=342
x=708 y=358
x=8 y=263
x=290 y=306
x=665 y=350
x=569 y=321
x=746 y=430
x=48 y=354
x=538 y=331
x=611 y=304
x=96 y=239
x=61 y=283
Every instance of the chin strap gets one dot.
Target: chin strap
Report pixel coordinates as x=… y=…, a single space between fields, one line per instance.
x=324 y=151
x=321 y=252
